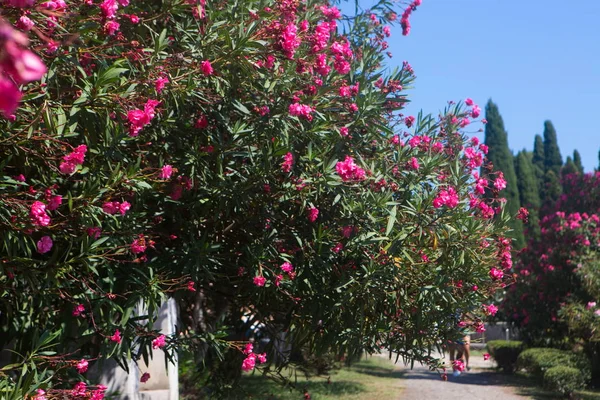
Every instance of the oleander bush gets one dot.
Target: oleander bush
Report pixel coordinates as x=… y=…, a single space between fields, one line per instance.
x=249 y=159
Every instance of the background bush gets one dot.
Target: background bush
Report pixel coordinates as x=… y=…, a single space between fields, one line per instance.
x=564 y=380
x=505 y=352
x=539 y=360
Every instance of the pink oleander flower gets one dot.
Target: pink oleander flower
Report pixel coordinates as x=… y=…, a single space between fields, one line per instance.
x=82 y=366
x=138 y=245
x=166 y=172
x=413 y=163
x=301 y=110
x=287 y=267
x=347 y=231
x=10 y=98
x=191 y=286
x=206 y=68
x=54 y=202
x=124 y=207
x=25 y=23
x=21 y=64
x=475 y=111
x=259 y=281
x=469 y=102
x=248 y=348
x=249 y=363
x=338 y=247
x=159 y=342
x=500 y=182
x=116 y=337
x=111 y=27
x=590 y=305
x=486 y=356
x=496 y=274
x=79 y=390
x=288 y=161
x=523 y=214
x=138 y=119
x=41 y=395
x=448 y=198
x=278 y=279
x=109 y=8
x=348 y=170
x=38 y=214
x=344 y=131
x=44 y=245
x=78 y=310
x=409 y=121
x=490 y=309
x=458 y=365
x=145 y=377
x=110 y=207
x=160 y=83
x=262 y=358
x=313 y=214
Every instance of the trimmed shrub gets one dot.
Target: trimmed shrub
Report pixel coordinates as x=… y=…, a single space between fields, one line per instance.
x=564 y=380
x=538 y=361
x=505 y=353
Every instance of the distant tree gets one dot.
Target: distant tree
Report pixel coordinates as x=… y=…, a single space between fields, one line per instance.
x=529 y=195
x=501 y=159
x=569 y=167
x=552 y=157
x=538 y=161
x=551 y=191
x=577 y=161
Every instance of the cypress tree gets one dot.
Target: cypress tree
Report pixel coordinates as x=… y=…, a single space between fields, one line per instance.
x=569 y=167
x=550 y=193
x=529 y=195
x=502 y=159
x=552 y=157
x=538 y=161
x=577 y=161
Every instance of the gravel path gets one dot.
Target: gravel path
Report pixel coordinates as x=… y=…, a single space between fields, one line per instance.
x=479 y=383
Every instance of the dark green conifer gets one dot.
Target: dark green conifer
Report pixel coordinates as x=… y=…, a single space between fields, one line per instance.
x=577 y=161
x=529 y=195
x=552 y=158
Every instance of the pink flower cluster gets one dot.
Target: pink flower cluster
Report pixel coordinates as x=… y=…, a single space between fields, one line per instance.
x=301 y=110
x=38 y=215
x=250 y=361
x=447 y=198
x=44 y=245
x=159 y=342
x=288 y=161
x=349 y=171
x=73 y=159
x=313 y=214
x=113 y=207
x=138 y=119
x=500 y=182
x=475 y=110
x=17 y=64
x=490 y=309
x=404 y=21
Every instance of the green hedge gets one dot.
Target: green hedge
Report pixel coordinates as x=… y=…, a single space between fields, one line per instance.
x=564 y=380
x=505 y=353
x=538 y=361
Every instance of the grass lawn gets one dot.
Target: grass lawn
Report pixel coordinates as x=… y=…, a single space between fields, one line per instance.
x=371 y=378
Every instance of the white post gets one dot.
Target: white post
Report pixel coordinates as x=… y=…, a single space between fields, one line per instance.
x=163 y=383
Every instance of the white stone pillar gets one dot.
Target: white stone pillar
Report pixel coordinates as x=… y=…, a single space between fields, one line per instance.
x=164 y=381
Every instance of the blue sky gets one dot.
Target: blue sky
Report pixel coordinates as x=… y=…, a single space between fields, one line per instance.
x=536 y=59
